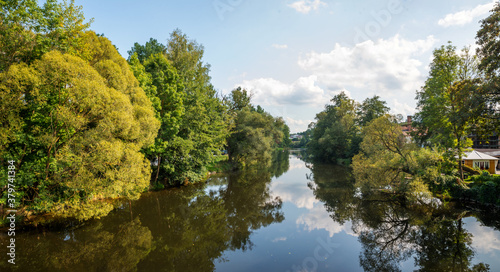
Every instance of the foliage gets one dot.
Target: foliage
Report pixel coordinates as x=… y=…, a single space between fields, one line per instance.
x=336 y=135
x=451 y=102
x=143 y=52
x=79 y=129
x=194 y=121
x=485 y=188
x=28 y=31
x=488 y=42
x=255 y=133
x=371 y=109
x=389 y=160
x=73 y=115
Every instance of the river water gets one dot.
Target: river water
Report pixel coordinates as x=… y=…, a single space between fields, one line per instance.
x=295 y=216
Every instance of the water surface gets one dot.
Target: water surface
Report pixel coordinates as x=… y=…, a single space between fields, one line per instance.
x=294 y=216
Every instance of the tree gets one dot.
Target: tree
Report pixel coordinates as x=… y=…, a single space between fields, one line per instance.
x=194 y=120
x=166 y=92
x=255 y=133
x=335 y=132
x=239 y=99
x=28 y=31
x=81 y=132
x=450 y=103
x=77 y=117
x=370 y=109
x=253 y=138
x=389 y=160
x=143 y=52
x=204 y=128
x=488 y=40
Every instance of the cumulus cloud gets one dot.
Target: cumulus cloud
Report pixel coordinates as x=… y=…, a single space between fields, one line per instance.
x=305 y=6
x=304 y=91
x=402 y=108
x=465 y=16
x=391 y=68
x=280 y=46
x=383 y=66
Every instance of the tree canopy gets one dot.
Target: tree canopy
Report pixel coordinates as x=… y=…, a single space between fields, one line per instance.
x=336 y=134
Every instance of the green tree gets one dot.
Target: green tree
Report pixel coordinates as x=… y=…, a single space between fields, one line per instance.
x=488 y=40
x=255 y=133
x=388 y=158
x=28 y=31
x=143 y=52
x=204 y=129
x=238 y=100
x=170 y=111
x=370 y=109
x=450 y=103
x=194 y=120
x=253 y=138
x=335 y=133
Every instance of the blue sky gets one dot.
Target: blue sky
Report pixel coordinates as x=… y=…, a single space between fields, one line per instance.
x=295 y=55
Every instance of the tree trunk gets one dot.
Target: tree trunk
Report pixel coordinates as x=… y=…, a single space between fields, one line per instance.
x=157 y=169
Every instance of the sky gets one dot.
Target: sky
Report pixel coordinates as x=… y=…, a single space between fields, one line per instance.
x=295 y=55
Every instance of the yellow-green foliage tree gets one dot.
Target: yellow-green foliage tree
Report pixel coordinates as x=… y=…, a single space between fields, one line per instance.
x=390 y=160
x=76 y=120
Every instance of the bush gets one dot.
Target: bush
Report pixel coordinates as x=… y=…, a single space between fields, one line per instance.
x=489 y=192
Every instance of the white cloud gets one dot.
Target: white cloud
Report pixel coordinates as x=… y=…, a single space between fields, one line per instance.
x=295 y=191
x=297 y=125
x=485 y=239
x=390 y=68
x=402 y=108
x=279 y=239
x=318 y=218
x=305 y=6
x=465 y=16
x=304 y=91
x=280 y=46
x=385 y=66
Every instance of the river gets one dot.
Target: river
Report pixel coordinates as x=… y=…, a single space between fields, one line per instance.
x=295 y=216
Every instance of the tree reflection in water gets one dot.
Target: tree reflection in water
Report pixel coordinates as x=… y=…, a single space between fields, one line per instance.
x=185 y=229
x=391 y=231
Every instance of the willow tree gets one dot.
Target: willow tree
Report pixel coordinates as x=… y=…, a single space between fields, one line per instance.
x=78 y=129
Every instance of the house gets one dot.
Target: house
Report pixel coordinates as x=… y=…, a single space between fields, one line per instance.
x=296 y=136
x=407 y=128
x=481 y=161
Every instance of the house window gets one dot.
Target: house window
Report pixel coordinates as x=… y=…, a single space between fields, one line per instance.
x=482 y=165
